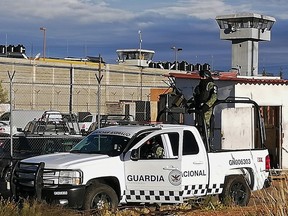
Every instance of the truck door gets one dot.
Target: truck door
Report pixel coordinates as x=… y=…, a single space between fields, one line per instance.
x=195 y=174
x=155 y=179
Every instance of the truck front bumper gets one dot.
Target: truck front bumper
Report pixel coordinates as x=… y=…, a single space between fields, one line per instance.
x=67 y=195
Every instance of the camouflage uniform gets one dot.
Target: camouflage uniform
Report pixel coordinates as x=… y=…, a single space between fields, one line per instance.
x=205 y=96
x=153 y=150
x=157 y=151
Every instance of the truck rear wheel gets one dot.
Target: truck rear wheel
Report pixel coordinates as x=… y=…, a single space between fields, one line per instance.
x=5 y=183
x=100 y=196
x=236 y=191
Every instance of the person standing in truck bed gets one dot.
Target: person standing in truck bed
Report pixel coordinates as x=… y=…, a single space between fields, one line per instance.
x=205 y=95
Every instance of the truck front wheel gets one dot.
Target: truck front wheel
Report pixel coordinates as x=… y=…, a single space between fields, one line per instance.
x=100 y=196
x=235 y=191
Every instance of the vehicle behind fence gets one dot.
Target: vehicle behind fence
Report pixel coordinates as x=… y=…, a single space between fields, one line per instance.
x=28 y=146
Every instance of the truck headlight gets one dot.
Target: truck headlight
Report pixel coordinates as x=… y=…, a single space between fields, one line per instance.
x=72 y=177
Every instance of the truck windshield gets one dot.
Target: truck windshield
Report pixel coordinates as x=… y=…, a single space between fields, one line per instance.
x=111 y=145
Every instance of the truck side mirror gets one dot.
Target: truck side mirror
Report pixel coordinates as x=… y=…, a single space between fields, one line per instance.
x=134 y=155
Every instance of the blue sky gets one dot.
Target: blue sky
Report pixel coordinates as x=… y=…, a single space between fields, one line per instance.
x=91 y=27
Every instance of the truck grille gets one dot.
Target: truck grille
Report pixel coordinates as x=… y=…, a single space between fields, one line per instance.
x=26 y=179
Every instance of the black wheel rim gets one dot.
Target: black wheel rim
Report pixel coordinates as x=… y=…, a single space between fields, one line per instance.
x=101 y=200
x=238 y=193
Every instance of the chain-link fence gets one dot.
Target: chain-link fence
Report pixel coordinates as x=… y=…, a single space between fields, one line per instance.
x=37 y=145
x=82 y=87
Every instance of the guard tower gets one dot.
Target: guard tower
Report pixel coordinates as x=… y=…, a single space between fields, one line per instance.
x=135 y=57
x=245 y=30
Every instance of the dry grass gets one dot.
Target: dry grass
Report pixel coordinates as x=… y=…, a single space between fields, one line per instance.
x=271 y=201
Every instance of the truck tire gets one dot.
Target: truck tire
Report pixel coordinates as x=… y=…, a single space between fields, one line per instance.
x=7 y=174
x=4 y=182
x=235 y=191
x=99 y=196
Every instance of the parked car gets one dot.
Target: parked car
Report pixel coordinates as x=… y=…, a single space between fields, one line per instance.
x=5 y=117
x=52 y=115
x=21 y=117
x=85 y=123
x=54 y=124
x=72 y=122
x=110 y=120
x=5 y=128
x=41 y=127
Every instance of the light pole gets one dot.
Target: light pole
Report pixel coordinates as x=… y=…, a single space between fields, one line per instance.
x=44 y=41
x=141 y=68
x=176 y=50
x=140 y=46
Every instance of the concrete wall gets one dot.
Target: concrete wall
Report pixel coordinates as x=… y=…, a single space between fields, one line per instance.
x=46 y=84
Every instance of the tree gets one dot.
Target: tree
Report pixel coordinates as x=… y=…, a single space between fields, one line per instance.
x=3 y=94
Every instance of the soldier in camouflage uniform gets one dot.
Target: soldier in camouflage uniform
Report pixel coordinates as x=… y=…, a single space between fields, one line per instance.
x=158 y=151
x=205 y=95
x=152 y=149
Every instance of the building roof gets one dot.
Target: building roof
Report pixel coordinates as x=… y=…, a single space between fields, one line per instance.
x=245 y=15
x=232 y=76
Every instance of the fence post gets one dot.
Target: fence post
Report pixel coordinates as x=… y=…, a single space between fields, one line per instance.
x=11 y=76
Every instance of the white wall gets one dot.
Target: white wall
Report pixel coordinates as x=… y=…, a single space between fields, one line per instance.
x=272 y=95
x=263 y=94
x=4 y=108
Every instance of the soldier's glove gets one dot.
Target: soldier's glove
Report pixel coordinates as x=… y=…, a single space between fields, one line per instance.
x=191 y=104
x=205 y=108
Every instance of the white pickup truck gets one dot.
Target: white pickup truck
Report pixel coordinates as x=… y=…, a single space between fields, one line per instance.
x=111 y=166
